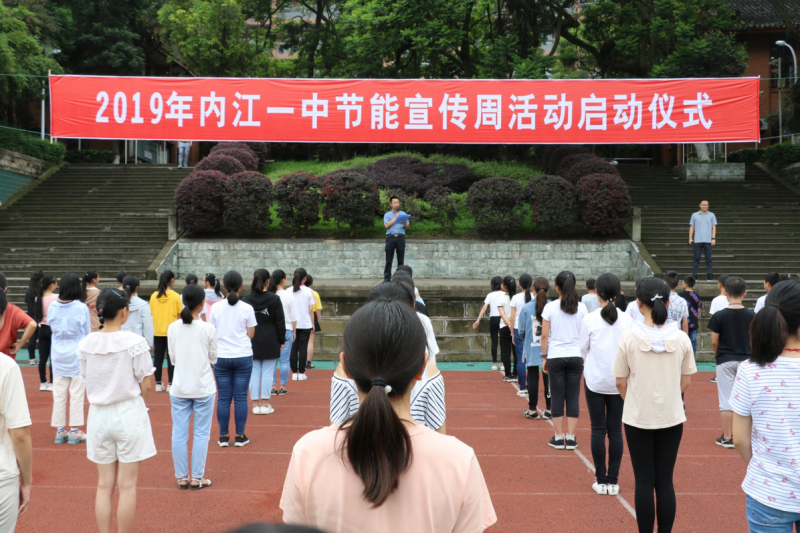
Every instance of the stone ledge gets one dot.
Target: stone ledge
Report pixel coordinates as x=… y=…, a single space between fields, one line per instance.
x=710 y=172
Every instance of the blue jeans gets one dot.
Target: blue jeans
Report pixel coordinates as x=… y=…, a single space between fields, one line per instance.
x=233 y=380
x=521 y=367
x=182 y=409
x=763 y=519
x=693 y=338
x=285 y=356
x=705 y=248
x=262 y=378
x=183 y=154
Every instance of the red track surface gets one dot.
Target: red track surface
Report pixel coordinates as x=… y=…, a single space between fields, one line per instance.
x=533 y=487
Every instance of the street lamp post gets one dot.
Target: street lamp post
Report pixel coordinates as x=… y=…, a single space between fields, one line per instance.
x=794 y=58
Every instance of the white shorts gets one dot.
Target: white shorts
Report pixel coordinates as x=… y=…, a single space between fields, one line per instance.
x=119 y=432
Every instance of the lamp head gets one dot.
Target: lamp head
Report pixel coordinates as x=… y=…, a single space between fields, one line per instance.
x=780 y=43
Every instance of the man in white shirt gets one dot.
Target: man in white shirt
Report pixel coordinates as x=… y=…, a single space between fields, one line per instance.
x=772 y=279
x=16 y=450
x=719 y=302
x=590 y=298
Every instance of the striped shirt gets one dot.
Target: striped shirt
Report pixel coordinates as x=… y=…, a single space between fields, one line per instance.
x=770 y=395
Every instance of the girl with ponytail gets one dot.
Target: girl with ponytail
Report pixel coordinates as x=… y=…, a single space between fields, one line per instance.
x=277 y=285
x=45 y=334
x=600 y=334
x=517 y=303
x=509 y=289
x=304 y=302
x=140 y=320
x=561 y=354
x=89 y=294
x=653 y=367
x=530 y=332
x=165 y=306
x=213 y=292
x=384 y=353
x=33 y=291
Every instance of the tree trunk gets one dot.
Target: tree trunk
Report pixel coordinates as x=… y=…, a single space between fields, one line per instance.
x=702 y=152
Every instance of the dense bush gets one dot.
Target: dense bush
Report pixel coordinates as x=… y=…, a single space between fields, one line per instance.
x=543 y=153
x=749 y=156
x=570 y=161
x=782 y=155
x=245 y=156
x=90 y=156
x=199 y=201
x=496 y=205
x=455 y=176
x=605 y=203
x=32 y=145
x=558 y=155
x=298 y=200
x=221 y=163
x=443 y=207
x=586 y=167
x=227 y=146
x=248 y=198
x=398 y=172
x=552 y=202
x=262 y=151
x=350 y=198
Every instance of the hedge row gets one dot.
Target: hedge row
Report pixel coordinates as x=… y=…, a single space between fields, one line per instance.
x=32 y=145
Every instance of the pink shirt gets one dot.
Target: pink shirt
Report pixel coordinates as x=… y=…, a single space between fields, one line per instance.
x=442 y=491
x=46 y=301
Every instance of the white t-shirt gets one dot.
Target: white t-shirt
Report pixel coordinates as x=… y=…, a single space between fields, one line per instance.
x=591 y=302
x=289 y=309
x=518 y=302
x=505 y=302
x=760 y=303
x=599 y=341
x=633 y=310
x=432 y=345
x=113 y=365
x=14 y=413
x=303 y=299
x=565 y=330
x=193 y=349
x=718 y=304
x=232 y=322
x=491 y=299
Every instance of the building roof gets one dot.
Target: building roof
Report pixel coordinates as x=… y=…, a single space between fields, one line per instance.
x=761 y=14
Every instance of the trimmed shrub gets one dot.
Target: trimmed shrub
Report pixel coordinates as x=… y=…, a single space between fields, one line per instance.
x=246 y=157
x=350 y=198
x=552 y=202
x=496 y=205
x=248 y=198
x=782 y=155
x=443 y=208
x=199 y=201
x=570 y=161
x=749 y=156
x=605 y=203
x=32 y=145
x=544 y=152
x=262 y=151
x=226 y=146
x=90 y=156
x=298 y=199
x=455 y=176
x=594 y=165
x=221 y=163
x=558 y=155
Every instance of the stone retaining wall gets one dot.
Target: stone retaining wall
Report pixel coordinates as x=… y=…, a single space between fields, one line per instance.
x=21 y=163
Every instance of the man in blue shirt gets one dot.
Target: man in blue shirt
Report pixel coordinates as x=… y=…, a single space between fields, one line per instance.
x=395 y=237
x=702 y=234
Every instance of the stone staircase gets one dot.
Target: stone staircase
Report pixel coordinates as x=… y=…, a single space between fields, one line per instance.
x=103 y=217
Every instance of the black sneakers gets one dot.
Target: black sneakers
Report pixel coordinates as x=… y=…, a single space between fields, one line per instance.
x=509 y=379
x=533 y=415
x=713 y=380
x=558 y=444
x=241 y=441
x=725 y=443
x=224 y=442
x=571 y=444
x=547 y=415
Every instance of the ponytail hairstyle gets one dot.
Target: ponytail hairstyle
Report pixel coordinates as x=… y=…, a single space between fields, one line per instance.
x=69 y=288
x=35 y=284
x=191 y=279
x=525 y=282
x=192 y=296
x=569 y=296
x=511 y=285
x=654 y=293
x=109 y=303
x=772 y=325
x=277 y=276
x=541 y=286
x=299 y=275
x=130 y=284
x=90 y=276
x=163 y=282
x=608 y=288
x=260 y=280
x=393 y=291
x=214 y=282
x=384 y=351
x=232 y=281
x=496 y=282
x=38 y=306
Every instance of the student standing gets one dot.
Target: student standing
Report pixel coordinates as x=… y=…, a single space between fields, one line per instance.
x=213 y=291
x=702 y=236
x=763 y=428
x=304 y=301
x=267 y=340
x=236 y=323
x=730 y=340
x=89 y=294
x=678 y=309
x=13 y=319
x=193 y=345
x=184 y=147
x=70 y=322
x=517 y=303
x=771 y=279
x=719 y=302
x=41 y=306
x=695 y=305
x=395 y=237
x=632 y=308
x=140 y=318
x=277 y=285
x=530 y=332
x=600 y=334
x=165 y=305
x=490 y=302
x=653 y=367
x=316 y=308
x=369 y=457
x=590 y=298
x=33 y=291
x=561 y=353
x=121 y=275
x=509 y=288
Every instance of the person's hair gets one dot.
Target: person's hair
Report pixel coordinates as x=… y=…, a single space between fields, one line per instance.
x=38 y=306
x=511 y=285
x=274 y=528
x=130 y=284
x=109 y=303
x=393 y=198
x=69 y=288
x=722 y=279
x=639 y=282
x=163 y=281
x=192 y=296
x=569 y=296
x=393 y=291
x=591 y=284
x=297 y=280
x=87 y=278
x=735 y=287
x=3 y=282
x=772 y=325
x=232 y=281
x=402 y=275
x=496 y=282
x=671 y=279
x=384 y=346
x=309 y=281
x=275 y=280
x=405 y=268
x=214 y=282
x=541 y=286
x=689 y=280
x=121 y=275
x=654 y=293
x=260 y=280
x=773 y=278
x=701 y=201
x=609 y=288
x=191 y=279
x=35 y=289
x=525 y=282
x=3 y=303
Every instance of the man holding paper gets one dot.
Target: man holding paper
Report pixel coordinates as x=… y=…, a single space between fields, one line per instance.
x=395 y=222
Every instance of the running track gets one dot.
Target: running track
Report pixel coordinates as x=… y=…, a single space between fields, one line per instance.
x=533 y=487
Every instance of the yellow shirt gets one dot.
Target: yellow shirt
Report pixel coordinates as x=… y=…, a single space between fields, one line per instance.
x=317 y=304
x=165 y=310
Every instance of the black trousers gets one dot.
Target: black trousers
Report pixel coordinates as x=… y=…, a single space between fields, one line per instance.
x=565 y=385
x=505 y=350
x=45 y=344
x=32 y=344
x=394 y=243
x=705 y=248
x=605 y=412
x=299 y=354
x=533 y=388
x=653 y=453
x=160 y=351
x=494 y=331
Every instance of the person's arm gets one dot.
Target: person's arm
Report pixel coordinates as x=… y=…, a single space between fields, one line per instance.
x=502 y=311
x=146 y=386
x=584 y=342
x=311 y=316
x=691 y=233
x=622 y=386
x=480 y=316
x=545 y=340
x=685 y=325
x=742 y=430
x=686 y=380
x=389 y=224
x=23 y=451
x=251 y=332
x=713 y=235
x=30 y=329
x=714 y=342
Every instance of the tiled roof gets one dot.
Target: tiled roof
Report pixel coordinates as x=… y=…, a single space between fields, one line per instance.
x=760 y=14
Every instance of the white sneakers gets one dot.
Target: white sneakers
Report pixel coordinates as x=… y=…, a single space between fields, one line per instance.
x=611 y=490
x=46 y=387
x=494 y=367
x=299 y=377
x=263 y=409
x=159 y=387
x=522 y=393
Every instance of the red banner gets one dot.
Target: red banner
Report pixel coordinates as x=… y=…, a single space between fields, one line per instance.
x=406 y=111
